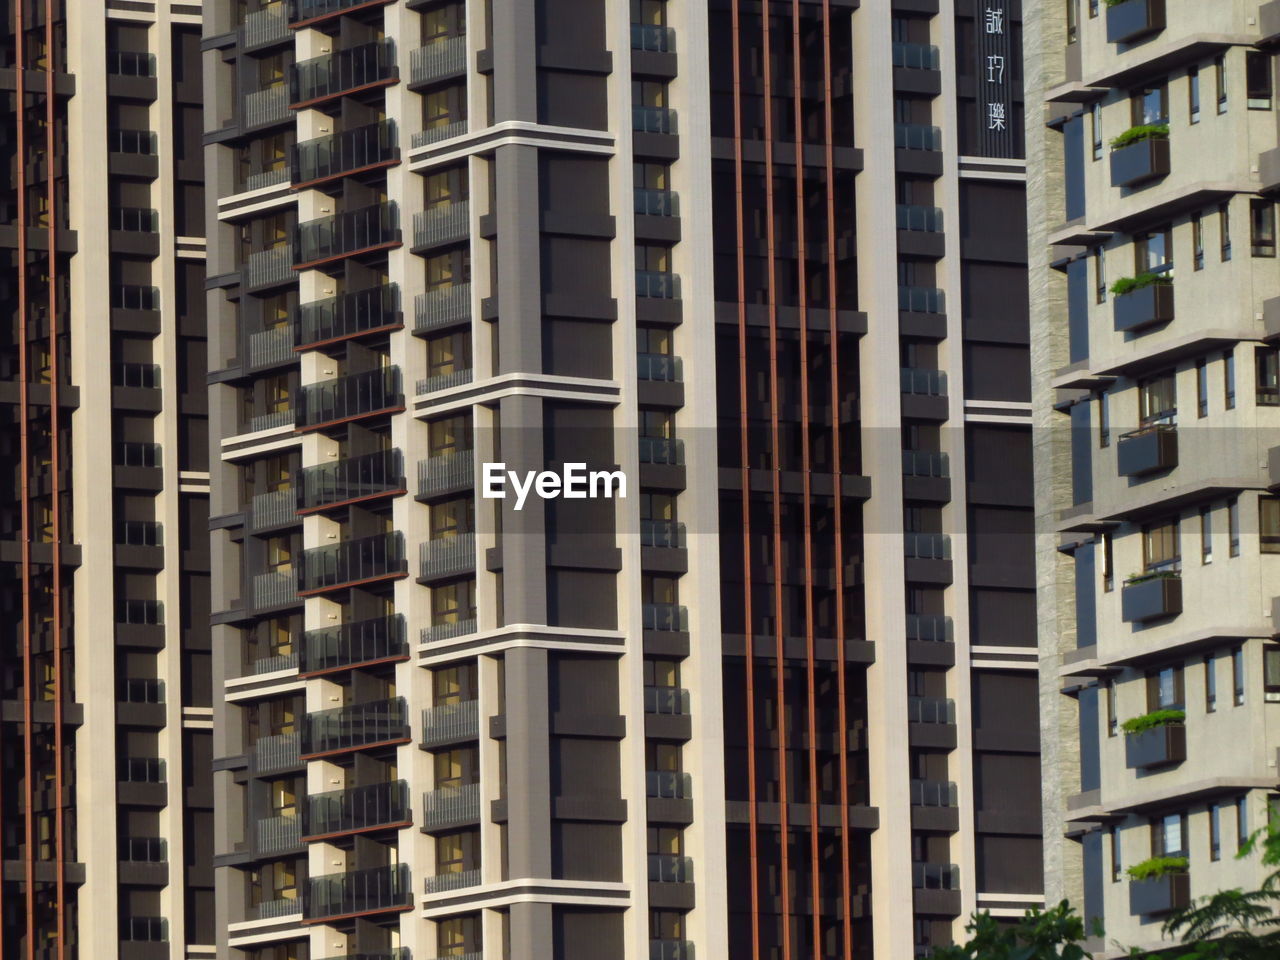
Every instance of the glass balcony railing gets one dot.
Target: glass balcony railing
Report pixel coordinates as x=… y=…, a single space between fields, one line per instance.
x=348 y=644
x=351 y=562
x=668 y=785
x=129 y=296
x=442 y=57
x=349 y=397
x=925 y=463
x=451 y=805
x=665 y=616
x=935 y=876
x=343 y=152
x=657 y=203
x=659 y=366
x=669 y=534
x=350 y=479
x=447 y=556
x=136 y=142
x=437 y=632
x=657 y=285
x=451 y=721
x=934 y=793
x=312 y=9
x=931 y=710
x=144 y=929
x=652 y=38
x=918 y=218
x=137 y=453
x=929 y=627
x=133 y=219
x=142 y=770
x=921 y=300
x=145 y=376
x=653 y=120
x=144 y=850
x=915 y=56
x=343 y=70
x=669 y=868
x=346 y=233
x=443 y=223
x=355 y=726
x=670 y=950
x=347 y=315
x=670 y=701
x=355 y=808
x=139 y=533
x=916 y=136
x=441 y=307
x=145 y=612
x=128 y=63
x=926 y=546
x=662 y=450
x=927 y=383
x=141 y=690
x=358 y=892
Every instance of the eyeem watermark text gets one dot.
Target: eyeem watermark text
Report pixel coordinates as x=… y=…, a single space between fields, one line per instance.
x=574 y=483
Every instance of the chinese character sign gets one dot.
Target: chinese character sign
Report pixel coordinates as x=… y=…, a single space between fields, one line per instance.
x=994 y=78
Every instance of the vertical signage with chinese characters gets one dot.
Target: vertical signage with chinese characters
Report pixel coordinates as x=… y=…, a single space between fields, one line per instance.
x=995 y=80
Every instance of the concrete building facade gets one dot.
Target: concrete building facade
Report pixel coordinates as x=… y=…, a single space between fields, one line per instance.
x=1152 y=158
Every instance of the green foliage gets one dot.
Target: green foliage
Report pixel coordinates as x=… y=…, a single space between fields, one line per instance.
x=1152 y=575
x=1140 y=132
x=1129 y=284
x=1113 y=3
x=1156 y=718
x=1156 y=867
x=1040 y=935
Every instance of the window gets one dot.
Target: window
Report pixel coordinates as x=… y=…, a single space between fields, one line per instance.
x=1210 y=683
x=1104 y=420
x=649 y=93
x=1099 y=275
x=1160 y=549
x=1153 y=252
x=1262 y=227
x=1116 y=871
x=452 y=518
x=1220 y=81
x=1202 y=389
x=1233 y=527
x=1158 y=400
x=1073 y=21
x=1224 y=229
x=1269 y=524
x=1108 y=568
x=1266 y=375
x=1193 y=94
x=1166 y=689
x=1206 y=535
x=1271 y=673
x=1113 y=722
x=1149 y=105
x=1237 y=676
x=1169 y=835
x=280 y=554
x=1229 y=379
x=1197 y=242
x=1215 y=832
x=1242 y=821
x=1257 y=79
x=1093 y=9
x=1095 y=129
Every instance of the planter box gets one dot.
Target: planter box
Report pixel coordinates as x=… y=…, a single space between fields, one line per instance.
x=1161 y=895
x=1141 y=161
x=1152 y=599
x=1156 y=747
x=1142 y=308
x=1147 y=451
x=1133 y=19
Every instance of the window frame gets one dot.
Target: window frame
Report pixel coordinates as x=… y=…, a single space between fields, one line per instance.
x=1206 y=535
x=1197 y=241
x=1229 y=379
x=1220 y=81
x=1224 y=230
x=1162 y=546
x=1202 y=388
x=1237 y=676
x=1193 y=95
x=1210 y=683
x=1233 y=527
x=1262 y=227
x=1257 y=80
x=1268 y=526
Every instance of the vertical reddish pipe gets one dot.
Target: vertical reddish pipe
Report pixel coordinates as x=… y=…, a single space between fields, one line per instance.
x=744 y=445
x=815 y=860
x=846 y=880
x=776 y=445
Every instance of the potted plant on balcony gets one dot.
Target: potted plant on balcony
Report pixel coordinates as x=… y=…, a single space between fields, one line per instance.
x=1155 y=739
x=1159 y=885
x=1130 y=19
x=1142 y=300
x=1139 y=154
x=1151 y=596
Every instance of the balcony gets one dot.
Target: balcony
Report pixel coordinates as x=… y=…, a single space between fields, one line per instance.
x=396 y=953
x=141 y=690
x=1153 y=596
x=269 y=348
x=442 y=58
x=666 y=534
x=343 y=72
x=652 y=38
x=129 y=296
x=668 y=785
x=658 y=285
x=132 y=142
x=263 y=108
x=350 y=480
x=128 y=63
x=1139 y=162
x=444 y=223
x=144 y=850
x=265 y=26
x=447 y=556
x=929 y=627
x=356 y=810
x=917 y=218
x=303 y=10
x=925 y=463
x=147 y=612
x=358 y=892
x=138 y=376
x=268 y=268
x=935 y=876
x=926 y=546
x=144 y=929
x=279 y=751
x=271 y=421
x=1149 y=450
x=142 y=770
x=139 y=533
x=456 y=880
x=349 y=151
x=1157 y=747
x=352 y=562
x=356 y=231
x=451 y=806
x=931 y=710
x=916 y=136
x=921 y=300
x=659 y=367
x=1159 y=895
x=277 y=834
x=133 y=219
x=279 y=907
x=355 y=727
x=372 y=310
x=924 y=383
x=271 y=177
x=437 y=632
x=653 y=120
x=438 y=132
x=662 y=450
x=274 y=509
x=446 y=473
x=450 y=723
x=915 y=56
x=443 y=381
x=273 y=662
x=362 y=642
x=656 y=203
x=441 y=308
x=934 y=793
x=275 y=589
x=1133 y=19
x=1143 y=306
x=665 y=617
x=666 y=701
x=349 y=397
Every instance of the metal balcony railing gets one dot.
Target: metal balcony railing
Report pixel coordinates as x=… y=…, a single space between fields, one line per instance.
x=930 y=627
x=147 y=612
x=362 y=641
x=139 y=533
x=142 y=770
x=277 y=752
x=652 y=38
x=348 y=315
x=352 y=478
x=273 y=663
x=653 y=120
x=144 y=929
x=358 y=891
x=263 y=107
x=916 y=136
x=356 y=808
x=310 y=9
x=928 y=383
x=133 y=219
x=278 y=833
x=347 y=232
x=264 y=26
x=395 y=953
x=931 y=710
x=129 y=296
x=443 y=381
x=281 y=907
x=922 y=299
x=353 y=561
x=662 y=533
x=657 y=285
x=442 y=57
x=348 y=397
x=275 y=589
x=141 y=690
x=925 y=463
x=267 y=267
x=915 y=56
x=447 y=631
x=447 y=471
x=447 y=556
x=270 y=347
x=343 y=152
x=355 y=726
x=669 y=868
x=343 y=70
x=273 y=509
x=438 y=132
x=668 y=785
x=918 y=218
x=451 y=721
x=136 y=142
x=665 y=616
x=671 y=701
x=656 y=203
x=926 y=546
x=935 y=876
x=441 y=307
x=659 y=366
x=670 y=950
x=129 y=63
x=458 y=880
x=934 y=793
x=272 y=420
x=444 y=223
x=449 y=805
x=144 y=850
x=267 y=178
x=143 y=375
x=662 y=450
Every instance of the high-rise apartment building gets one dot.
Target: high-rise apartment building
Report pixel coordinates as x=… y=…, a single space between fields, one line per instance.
x=105 y=786
x=766 y=259
x=1153 y=173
